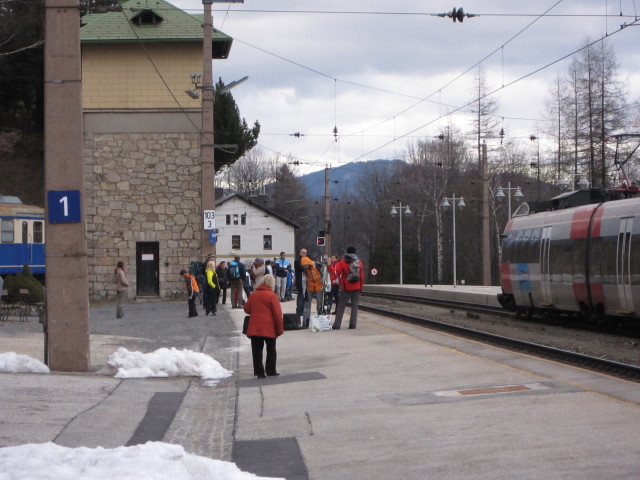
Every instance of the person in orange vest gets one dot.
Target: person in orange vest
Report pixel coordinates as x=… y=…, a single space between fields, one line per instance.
x=191 y=284
x=315 y=287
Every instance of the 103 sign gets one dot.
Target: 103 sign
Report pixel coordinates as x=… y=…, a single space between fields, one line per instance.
x=209 y=219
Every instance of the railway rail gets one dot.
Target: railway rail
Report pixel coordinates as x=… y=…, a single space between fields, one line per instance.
x=588 y=361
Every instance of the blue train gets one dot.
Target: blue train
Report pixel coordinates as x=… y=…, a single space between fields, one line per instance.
x=21 y=237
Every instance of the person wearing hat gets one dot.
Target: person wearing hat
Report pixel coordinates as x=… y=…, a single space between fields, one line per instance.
x=211 y=286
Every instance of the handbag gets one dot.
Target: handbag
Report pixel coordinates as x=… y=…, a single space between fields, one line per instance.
x=245 y=324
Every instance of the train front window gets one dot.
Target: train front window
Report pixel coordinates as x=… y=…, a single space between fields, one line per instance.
x=6 y=231
x=38 y=232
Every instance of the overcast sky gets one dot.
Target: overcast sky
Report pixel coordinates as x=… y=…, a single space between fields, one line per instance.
x=386 y=73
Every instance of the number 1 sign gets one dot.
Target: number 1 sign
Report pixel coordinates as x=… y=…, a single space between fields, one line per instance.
x=64 y=206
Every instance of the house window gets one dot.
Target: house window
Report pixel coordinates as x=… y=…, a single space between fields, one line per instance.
x=7 y=231
x=235 y=219
x=228 y=219
x=243 y=219
x=267 y=244
x=235 y=242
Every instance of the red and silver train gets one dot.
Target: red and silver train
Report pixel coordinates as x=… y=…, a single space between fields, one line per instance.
x=574 y=260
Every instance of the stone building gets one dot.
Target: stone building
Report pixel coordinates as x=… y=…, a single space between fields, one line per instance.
x=142 y=144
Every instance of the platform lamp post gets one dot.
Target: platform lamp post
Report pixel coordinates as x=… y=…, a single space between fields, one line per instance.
x=400 y=210
x=500 y=194
x=453 y=202
x=583 y=183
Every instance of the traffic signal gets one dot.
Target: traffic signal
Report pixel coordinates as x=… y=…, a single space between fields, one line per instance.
x=320 y=241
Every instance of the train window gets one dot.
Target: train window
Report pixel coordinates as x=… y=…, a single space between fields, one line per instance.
x=38 y=232
x=609 y=250
x=596 y=260
x=6 y=228
x=578 y=260
x=25 y=232
x=635 y=261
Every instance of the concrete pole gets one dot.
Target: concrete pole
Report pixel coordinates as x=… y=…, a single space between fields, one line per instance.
x=207 y=155
x=486 y=238
x=327 y=213
x=67 y=286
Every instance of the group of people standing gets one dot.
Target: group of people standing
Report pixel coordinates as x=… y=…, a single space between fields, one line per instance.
x=211 y=281
x=330 y=282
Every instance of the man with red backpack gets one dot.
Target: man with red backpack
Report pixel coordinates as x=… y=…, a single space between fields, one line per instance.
x=350 y=271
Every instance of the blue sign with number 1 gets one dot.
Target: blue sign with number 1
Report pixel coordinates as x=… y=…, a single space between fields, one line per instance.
x=64 y=206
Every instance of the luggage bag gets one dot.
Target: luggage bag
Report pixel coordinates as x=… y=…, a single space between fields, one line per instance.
x=291 y=321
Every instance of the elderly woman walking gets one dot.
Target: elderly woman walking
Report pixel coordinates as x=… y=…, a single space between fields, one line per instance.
x=265 y=325
x=120 y=278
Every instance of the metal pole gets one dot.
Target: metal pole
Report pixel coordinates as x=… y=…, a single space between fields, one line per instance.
x=401 y=276
x=453 y=206
x=509 y=199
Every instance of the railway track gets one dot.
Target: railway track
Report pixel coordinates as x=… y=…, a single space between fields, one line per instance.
x=587 y=361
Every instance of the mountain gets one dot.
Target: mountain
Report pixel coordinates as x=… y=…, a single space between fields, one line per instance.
x=342 y=175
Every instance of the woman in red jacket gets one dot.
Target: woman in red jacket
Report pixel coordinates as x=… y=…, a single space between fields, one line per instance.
x=265 y=325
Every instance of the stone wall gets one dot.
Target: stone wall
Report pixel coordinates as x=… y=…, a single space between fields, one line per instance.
x=142 y=187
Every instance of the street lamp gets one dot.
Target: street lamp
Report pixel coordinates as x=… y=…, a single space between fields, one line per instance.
x=583 y=183
x=399 y=211
x=455 y=202
x=500 y=194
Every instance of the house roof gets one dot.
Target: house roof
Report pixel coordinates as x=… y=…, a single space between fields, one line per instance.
x=150 y=21
x=271 y=213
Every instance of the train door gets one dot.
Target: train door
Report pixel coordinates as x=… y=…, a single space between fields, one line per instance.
x=623 y=264
x=545 y=274
x=147 y=269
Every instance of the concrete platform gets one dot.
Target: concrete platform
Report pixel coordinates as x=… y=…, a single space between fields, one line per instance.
x=475 y=294
x=386 y=400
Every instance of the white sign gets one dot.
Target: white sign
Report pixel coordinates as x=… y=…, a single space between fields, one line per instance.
x=147 y=257
x=374 y=271
x=209 y=219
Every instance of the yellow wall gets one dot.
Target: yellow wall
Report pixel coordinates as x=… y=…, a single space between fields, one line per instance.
x=123 y=75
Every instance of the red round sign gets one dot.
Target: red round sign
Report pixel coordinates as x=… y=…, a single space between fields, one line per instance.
x=374 y=271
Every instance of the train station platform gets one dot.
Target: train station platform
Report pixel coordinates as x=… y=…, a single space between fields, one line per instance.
x=386 y=400
x=474 y=294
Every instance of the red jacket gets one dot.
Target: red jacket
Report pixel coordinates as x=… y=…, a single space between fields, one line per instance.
x=342 y=269
x=266 y=314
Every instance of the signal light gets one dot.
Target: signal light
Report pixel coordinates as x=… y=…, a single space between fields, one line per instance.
x=320 y=241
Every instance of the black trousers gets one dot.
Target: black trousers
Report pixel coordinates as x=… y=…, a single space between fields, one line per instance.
x=257 y=344
x=210 y=299
x=192 y=306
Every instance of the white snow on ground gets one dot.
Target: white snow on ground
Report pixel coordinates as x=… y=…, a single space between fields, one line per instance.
x=166 y=362
x=153 y=460
x=11 y=362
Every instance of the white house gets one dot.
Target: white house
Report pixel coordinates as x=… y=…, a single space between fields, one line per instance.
x=250 y=230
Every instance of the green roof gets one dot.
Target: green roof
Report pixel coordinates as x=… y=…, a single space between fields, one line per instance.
x=150 y=21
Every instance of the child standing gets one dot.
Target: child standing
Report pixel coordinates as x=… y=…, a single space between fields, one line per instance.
x=191 y=284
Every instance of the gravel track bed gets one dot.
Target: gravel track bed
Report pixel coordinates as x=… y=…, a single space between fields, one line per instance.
x=612 y=347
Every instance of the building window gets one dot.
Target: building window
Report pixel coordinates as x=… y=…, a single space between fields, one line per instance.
x=228 y=219
x=243 y=219
x=7 y=231
x=267 y=244
x=38 y=231
x=235 y=219
x=235 y=242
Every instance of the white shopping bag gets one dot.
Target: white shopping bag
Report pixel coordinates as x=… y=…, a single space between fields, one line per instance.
x=321 y=323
